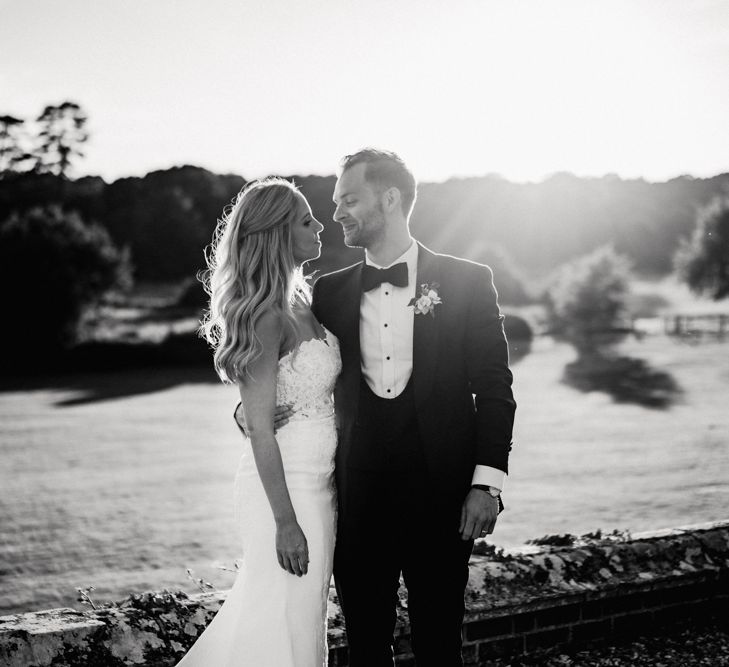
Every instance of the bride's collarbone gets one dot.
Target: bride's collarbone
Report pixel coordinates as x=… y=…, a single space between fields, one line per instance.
x=307 y=329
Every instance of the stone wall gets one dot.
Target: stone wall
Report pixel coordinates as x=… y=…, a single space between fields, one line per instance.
x=560 y=590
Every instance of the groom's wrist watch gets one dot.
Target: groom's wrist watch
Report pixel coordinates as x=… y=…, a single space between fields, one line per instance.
x=491 y=490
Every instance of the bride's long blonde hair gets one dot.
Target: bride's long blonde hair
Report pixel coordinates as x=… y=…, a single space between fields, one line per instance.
x=251 y=271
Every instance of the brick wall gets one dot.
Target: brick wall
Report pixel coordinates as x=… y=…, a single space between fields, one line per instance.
x=572 y=591
x=581 y=620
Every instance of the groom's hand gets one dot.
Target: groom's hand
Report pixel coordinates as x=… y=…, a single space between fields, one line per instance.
x=280 y=418
x=478 y=515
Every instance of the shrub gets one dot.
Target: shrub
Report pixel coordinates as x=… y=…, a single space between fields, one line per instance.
x=53 y=267
x=586 y=303
x=703 y=261
x=517 y=328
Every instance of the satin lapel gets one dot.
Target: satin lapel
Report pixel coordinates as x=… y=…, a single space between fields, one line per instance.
x=425 y=329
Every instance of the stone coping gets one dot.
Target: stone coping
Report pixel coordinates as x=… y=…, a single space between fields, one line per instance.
x=155 y=628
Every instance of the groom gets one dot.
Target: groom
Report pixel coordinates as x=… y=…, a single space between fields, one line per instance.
x=424 y=414
x=424 y=417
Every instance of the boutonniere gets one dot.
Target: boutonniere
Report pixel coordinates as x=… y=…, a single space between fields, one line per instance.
x=427 y=301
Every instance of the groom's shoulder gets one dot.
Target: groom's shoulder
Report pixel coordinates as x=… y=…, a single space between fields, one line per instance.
x=338 y=276
x=461 y=266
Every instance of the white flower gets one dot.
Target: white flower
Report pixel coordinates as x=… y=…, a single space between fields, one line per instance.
x=427 y=301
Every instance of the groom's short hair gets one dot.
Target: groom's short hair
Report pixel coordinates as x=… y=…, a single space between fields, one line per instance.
x=385 y=169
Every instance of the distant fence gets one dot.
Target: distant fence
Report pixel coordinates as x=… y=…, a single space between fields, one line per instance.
x=715 y=324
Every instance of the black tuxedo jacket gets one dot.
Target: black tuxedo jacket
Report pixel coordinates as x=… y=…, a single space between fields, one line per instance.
x=461 y=378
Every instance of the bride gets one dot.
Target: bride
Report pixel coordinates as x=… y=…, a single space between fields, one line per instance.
x=268 y=342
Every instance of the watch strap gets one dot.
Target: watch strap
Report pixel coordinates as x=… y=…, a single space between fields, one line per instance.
x=489 y=489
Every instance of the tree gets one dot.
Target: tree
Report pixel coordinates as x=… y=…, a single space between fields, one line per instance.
x=53 y=267
x=13 y=142
x=586 y=304
x=703 y=260
x=62 y=132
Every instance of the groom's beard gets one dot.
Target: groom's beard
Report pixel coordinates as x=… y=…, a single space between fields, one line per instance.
x=369 y=229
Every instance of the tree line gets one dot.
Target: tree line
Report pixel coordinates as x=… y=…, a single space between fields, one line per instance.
x=155 y=227
x=166 y=217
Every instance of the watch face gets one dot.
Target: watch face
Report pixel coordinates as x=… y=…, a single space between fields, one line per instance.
x=494 y=493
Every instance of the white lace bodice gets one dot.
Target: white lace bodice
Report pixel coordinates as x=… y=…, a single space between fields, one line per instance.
x=306 y=377
x=269 y=616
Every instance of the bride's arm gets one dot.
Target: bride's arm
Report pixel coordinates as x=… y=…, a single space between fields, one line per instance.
x=258 y=396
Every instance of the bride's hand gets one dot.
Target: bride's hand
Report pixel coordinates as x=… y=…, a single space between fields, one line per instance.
x=292 y=549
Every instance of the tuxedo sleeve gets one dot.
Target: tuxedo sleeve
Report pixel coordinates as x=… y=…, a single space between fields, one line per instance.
x=487 y=360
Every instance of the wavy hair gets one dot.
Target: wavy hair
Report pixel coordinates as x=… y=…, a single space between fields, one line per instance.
x=251 y=271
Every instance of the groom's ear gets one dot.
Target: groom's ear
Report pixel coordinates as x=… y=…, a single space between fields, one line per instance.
x=392 y=198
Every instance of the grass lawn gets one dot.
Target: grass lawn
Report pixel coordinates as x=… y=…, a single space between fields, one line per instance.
x=123 y=480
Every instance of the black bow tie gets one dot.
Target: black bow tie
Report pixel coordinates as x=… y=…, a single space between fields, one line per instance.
x=396 y=275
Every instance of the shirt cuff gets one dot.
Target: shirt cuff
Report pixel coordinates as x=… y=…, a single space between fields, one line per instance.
x=489 y=476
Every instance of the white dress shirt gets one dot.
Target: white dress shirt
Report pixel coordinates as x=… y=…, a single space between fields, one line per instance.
x=386 y=343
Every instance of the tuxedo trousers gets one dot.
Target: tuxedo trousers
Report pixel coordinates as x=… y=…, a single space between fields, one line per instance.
x=392 y=524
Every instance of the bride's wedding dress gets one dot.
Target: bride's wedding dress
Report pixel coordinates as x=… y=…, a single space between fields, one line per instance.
x=272 y=618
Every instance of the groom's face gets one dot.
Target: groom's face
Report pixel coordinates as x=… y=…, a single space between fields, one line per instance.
x=359 y=208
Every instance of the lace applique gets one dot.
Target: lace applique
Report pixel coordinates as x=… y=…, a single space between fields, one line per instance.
x=306 y=377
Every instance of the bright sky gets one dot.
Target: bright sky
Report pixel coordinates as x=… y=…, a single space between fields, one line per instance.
x=457 y=87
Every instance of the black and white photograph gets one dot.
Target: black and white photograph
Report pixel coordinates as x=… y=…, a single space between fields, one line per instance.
x=364 y=333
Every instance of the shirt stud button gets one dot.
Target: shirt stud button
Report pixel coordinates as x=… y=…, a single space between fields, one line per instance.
x=386 y=325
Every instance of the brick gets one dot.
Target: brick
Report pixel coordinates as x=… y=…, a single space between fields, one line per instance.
x=700 y=611
x=585 y=632
x=671 y=615
x=339 y=657
x=524 y=622
x=492 y=627
x=557 y=616
x=631 y=625
x=720 y=604
x=547 y=638
x=623 y=603
x=500 y=648
x=677 y=594
x=718 y=608
x=709 y=587
x=592 y=609
x=704 y=611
